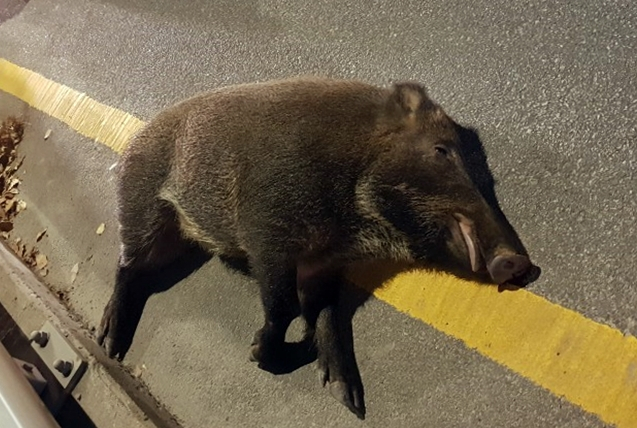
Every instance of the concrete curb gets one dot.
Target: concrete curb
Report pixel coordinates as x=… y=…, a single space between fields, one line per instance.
x=110 y=395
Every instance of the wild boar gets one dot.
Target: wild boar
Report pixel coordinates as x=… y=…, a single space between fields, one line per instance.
x=302 y=177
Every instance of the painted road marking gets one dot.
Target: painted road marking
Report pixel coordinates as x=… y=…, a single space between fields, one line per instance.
x=590 y=364
x=97 y=121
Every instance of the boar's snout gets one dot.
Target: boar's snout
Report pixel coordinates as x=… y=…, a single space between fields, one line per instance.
x=507 y=266
x=513 y=269
x=504 y=268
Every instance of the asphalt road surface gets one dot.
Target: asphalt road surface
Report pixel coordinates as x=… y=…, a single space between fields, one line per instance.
x=551 y=86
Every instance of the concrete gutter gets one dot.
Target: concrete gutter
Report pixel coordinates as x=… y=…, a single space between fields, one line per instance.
x=110 y=396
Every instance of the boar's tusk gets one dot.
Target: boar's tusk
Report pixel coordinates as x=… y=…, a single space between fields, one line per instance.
x=466 y=227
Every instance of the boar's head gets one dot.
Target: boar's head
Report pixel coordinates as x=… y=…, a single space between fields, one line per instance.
x=432 y=183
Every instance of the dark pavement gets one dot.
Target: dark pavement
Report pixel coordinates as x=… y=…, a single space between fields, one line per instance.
x=551 y=87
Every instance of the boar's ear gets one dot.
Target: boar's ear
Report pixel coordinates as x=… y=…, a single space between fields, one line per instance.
x=409 y=98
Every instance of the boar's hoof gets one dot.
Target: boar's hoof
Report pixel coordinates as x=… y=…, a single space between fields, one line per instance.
x=113 y=333
x=286 y=359
x=259 y=355
x=267 y=351
x=350 y=396
x=349 y=393
x=104 y=336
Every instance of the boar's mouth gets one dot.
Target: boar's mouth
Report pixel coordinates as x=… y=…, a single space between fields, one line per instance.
x=531 y=274
x=510 y=270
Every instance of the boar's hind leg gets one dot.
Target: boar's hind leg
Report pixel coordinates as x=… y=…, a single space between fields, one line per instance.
x=331 y=326
x=277 y=283
x=150 y=241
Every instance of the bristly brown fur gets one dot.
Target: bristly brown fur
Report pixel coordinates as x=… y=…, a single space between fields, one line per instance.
x=301 y=177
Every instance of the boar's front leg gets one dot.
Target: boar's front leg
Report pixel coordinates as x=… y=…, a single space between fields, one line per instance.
x=331 y=328
x=277 y=283
x=122 y=313
x=151 y=242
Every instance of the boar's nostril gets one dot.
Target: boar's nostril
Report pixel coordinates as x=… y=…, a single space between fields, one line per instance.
x=505 y=268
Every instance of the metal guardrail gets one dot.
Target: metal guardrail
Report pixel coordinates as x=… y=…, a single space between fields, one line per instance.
x=20 y=406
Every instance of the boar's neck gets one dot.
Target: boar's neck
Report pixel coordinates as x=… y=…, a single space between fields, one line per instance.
x=374 y=235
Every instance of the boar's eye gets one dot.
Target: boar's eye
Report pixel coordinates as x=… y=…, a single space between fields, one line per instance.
x=441 y=150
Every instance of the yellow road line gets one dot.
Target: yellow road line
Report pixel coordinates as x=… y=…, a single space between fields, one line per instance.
x=108 y=125
x=589 y=364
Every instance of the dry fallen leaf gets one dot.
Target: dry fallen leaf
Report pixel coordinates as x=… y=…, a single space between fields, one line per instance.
x=139 y=370
x=47 y=134
x=40 y=235
x=21 y=206
x=17 y=167
x=15 y=245
x=9 y=205
x=41 y=261
x=13 y=183
x=11 y=131
x=100 y=229
x=74 y=270
x=30 y=257
x=15 y=128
